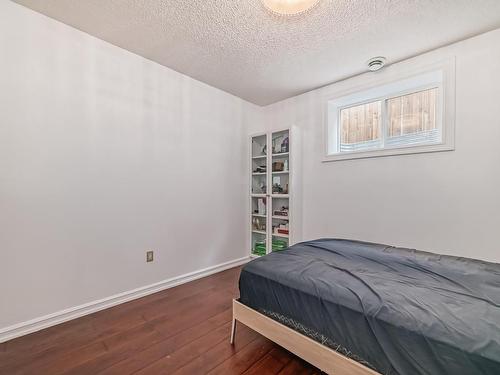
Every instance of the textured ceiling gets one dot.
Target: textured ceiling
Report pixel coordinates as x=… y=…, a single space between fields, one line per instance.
x=240 y=47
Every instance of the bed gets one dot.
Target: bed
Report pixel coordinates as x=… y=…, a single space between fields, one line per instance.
x=352 y=307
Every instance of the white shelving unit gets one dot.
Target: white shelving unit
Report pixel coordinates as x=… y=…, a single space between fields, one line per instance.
x=270 y=192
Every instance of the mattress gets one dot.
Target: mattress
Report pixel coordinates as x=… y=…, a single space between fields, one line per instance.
x=399 y=311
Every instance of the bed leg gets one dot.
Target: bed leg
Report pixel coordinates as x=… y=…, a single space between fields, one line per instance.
x=233 y=331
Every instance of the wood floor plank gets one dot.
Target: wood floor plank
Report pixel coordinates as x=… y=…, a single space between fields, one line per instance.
x=245 y=358
x=297 y=367
x=148 y=355
x=217 y=354
x=187 y=353
x=271 y=364
x=169 y=329
x=182 y=330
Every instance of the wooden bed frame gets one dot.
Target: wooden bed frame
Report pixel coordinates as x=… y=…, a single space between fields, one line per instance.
x=324 y=358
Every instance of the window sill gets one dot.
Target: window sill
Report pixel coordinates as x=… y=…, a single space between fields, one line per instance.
x=389 y=152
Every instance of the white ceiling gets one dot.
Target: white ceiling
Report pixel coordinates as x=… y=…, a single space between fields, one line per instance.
x=240 y=47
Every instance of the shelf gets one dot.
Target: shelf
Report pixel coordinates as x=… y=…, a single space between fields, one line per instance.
x=266 y=149
x=258 y=231
x=277 y=217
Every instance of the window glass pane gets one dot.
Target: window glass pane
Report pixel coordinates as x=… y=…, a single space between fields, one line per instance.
x=412 y=118
x=360 y=127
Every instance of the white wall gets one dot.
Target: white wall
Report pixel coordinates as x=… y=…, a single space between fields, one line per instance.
x=104 y=155
x=445 y=202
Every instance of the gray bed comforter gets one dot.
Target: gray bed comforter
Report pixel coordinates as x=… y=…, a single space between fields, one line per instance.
x=402 y=311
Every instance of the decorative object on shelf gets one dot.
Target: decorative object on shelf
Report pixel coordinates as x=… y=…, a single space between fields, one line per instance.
x=281 y=228
x=259 y=248
x=258 y=224
x=277 y=189
x=263 y=187
x=284 y=145
x=264 y=150
x=278 y=245
x=261 y=207
x=278 y=166
x=281 y=212
x=260 y=169
x=276 y=142
x=285 y=165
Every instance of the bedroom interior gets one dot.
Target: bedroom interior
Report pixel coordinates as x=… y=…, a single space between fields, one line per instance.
x=249 y=187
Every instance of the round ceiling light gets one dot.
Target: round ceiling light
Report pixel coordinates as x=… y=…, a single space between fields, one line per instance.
x=289 y=7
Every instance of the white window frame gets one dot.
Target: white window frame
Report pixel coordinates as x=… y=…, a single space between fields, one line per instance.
x=396 y=81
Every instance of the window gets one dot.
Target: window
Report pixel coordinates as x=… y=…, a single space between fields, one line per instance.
x=401 y=117
x=361 y=127
x=412 y=119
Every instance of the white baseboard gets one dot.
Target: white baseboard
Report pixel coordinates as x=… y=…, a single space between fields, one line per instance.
x=24 y=328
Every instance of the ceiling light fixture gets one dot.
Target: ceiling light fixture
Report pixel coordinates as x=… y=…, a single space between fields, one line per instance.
x=289 y=7
x=376 y=63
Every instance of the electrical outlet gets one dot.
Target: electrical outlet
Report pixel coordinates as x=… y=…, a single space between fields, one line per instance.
x=149 y=256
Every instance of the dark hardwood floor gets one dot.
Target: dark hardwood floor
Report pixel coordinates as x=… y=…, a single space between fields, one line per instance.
x=183 y=330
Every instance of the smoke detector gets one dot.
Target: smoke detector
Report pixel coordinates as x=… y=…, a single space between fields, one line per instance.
x=376 y=63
